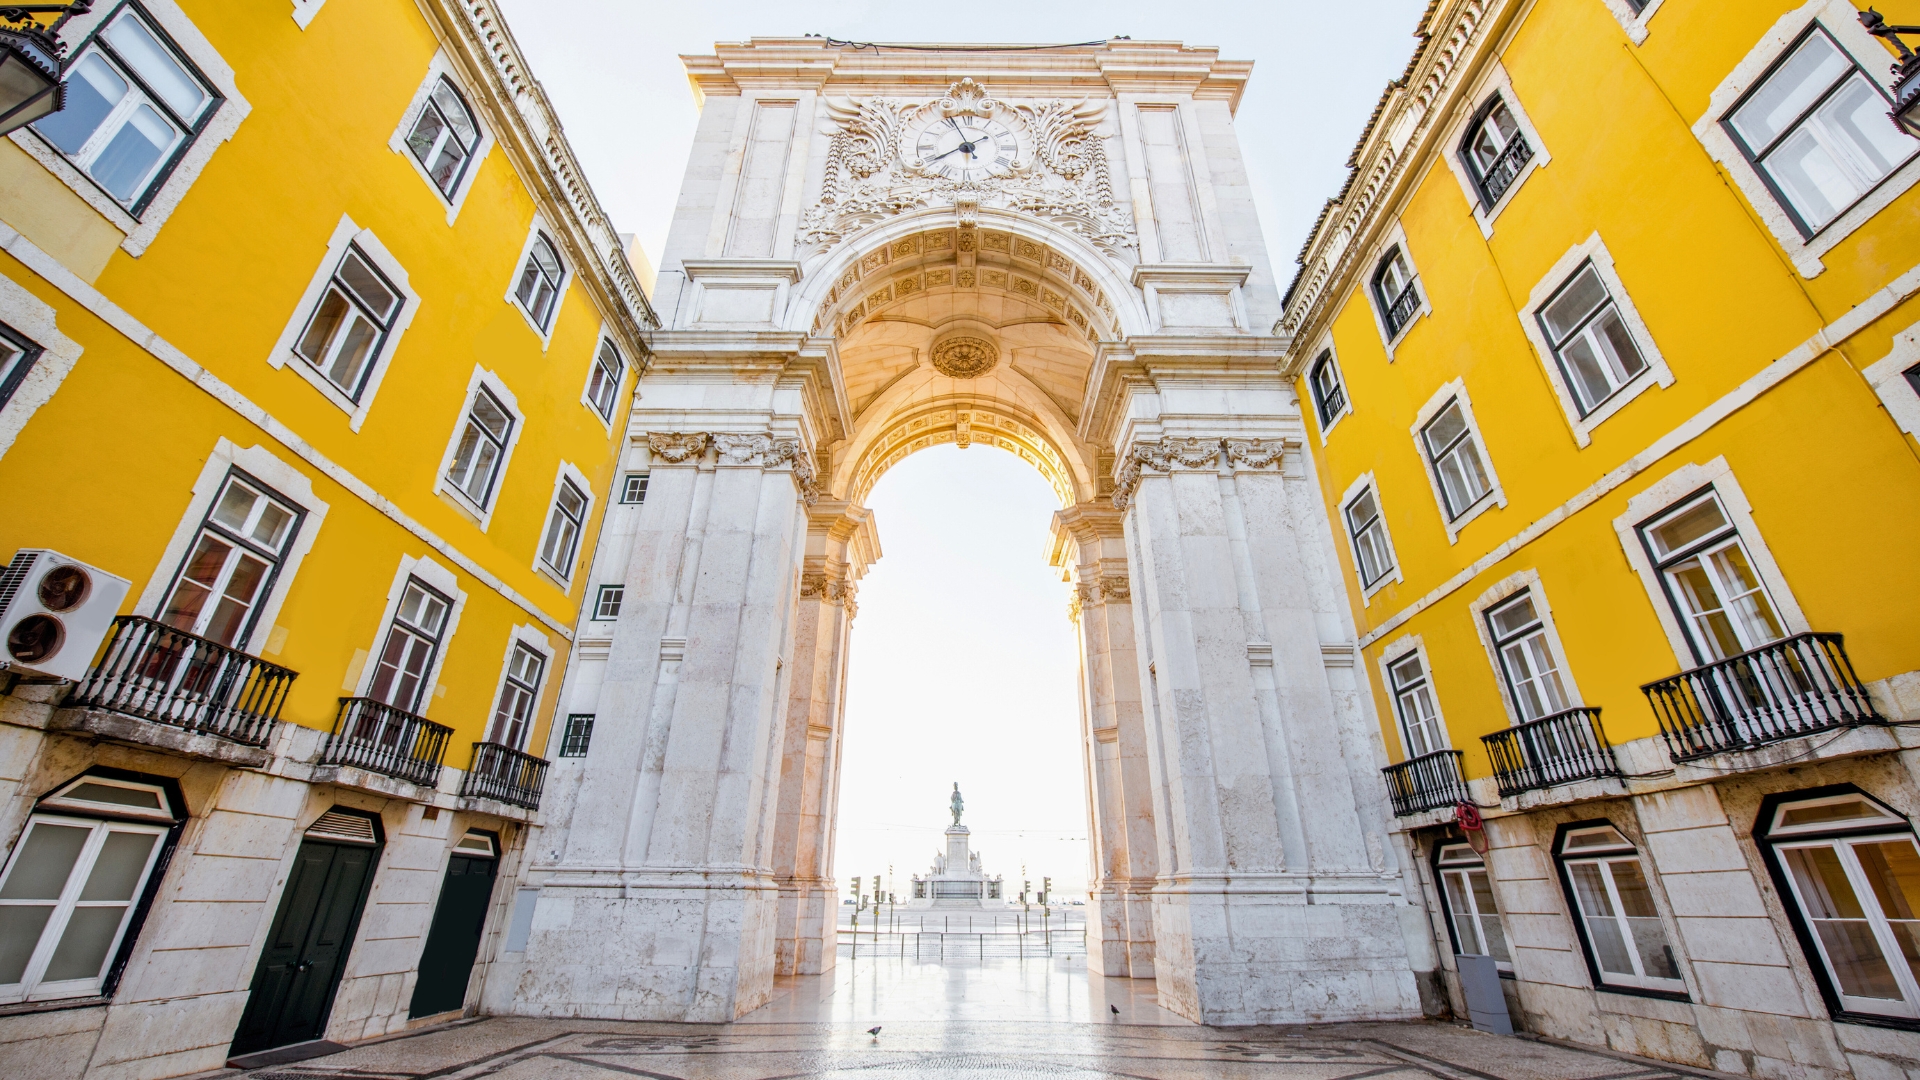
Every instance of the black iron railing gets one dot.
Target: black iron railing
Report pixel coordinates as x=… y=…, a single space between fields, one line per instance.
x=1552 y=750
x=503 y=773
x=1331 y=404
x=1795 y=686
x=1401 y=311
x=1429 y=782
x=151 y=671
x=1505 y=169
x=377 y=737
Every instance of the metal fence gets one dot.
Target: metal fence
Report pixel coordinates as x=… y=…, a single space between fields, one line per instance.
x=1793 y=687
x=921 y=936
x=1557 y=749
x=377 y=737
x=154 y=672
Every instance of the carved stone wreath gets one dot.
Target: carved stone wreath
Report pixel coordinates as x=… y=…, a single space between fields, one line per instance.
x=965 y=357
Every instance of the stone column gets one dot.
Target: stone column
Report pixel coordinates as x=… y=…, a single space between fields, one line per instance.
x=1277 y=901
x=841 y=545
x=662 y=904
x=1089 y=543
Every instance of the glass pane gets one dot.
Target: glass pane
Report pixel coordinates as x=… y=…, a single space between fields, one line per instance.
x=1577 y=301
x=1649 y=936
x=1585 y=369
x=1827 y=897
x=1847 y=810
x=549 y=263
x=1812 y=179
x=1701 y=520
x=366 y=285
x=1393 y=276
x=1893 y=870
x=1407 y=671
x=1750 y=604
x=243 y=588
x=144 y=798
x=1594 y=838
x=272 y=526
x=120 y=866
x=1496 y=935
x=45 y=861
x=1855 y=119
x=356 y=352
x=1460 y=909
x=1609 y=946
x=571 y=501
x=1361 y=510
x=1462 y=478
x=123 y=167
x=156 y=67
x=1790 y=90
x=480 y=456
x=93 y=89
x=445 y=168
x=20 y=929
x=427 y=130
x=326 y=320
x=83 y=946
x=235 y=506
x=1622 y=355
x=196 y=583
x=1514 y=617
x=422 y=609
x=456 y=113
x=1445 y=428
x=490 y=415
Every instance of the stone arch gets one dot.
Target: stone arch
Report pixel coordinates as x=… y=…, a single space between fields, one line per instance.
x=959 y=422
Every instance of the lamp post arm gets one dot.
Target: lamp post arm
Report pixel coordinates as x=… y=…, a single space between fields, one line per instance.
x=23 y=13
x=1876 y=24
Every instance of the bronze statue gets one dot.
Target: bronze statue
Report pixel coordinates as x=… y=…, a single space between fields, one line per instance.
x=957 y=803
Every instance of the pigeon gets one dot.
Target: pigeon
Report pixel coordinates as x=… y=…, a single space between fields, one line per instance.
x=1114 y=1009
x=874 y=1031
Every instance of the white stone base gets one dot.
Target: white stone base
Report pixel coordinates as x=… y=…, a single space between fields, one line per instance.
x=808 y=934
x=1123 y=920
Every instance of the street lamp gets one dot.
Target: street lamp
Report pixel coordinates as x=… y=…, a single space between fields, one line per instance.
x=1906 y=84
x=30 y=66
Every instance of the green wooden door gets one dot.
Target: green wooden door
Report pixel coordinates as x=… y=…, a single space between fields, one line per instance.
x=454 y=940
x=307 y=949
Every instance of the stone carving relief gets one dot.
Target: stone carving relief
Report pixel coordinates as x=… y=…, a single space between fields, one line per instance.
x=833 y=590
x=677 y=449
x=1196 y=453
x=762 y=451
x=1061 y=174
x=1109 y=588
x=965 y=357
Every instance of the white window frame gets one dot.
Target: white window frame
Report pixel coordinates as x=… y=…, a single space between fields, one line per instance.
x=1887 y=376
x=1396 y=238
x=1442 y=868
x=604 y=341
x=1528 y=582
x=566 y=473
x=1634 y=23
x=619 y=589
x=1495 y=81
x=287 y=482
x=441 y=66
x=347 y=234
x=220 y=127
x=34 y=319
x=535 y=639
x=305 y=10
x=1495 y=496
x=1628 y=850
x=1365 y=482
x=1592 y=250
x=1680 y=486
x=1332 y=356
x=626 y=487
x=534 y=232
x=482 y=515
x=366 y=662
x=1840 y=19
x=1395 y=652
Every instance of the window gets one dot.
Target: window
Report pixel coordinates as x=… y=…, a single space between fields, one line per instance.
x=232 y=564
x=514 y=715
x=578 y=734
x=603 y=384
x=1590 y=341
x=1471 y=912
x=482 y=448
x=607 y=606
x=1413 y=700
x=17 y=354
x=634 y=490
x=1495 y=150
x=349 y=325
x=1372 y=555
x=1710 y=580
x=1527 y=659
x=74 y=884
x=564 y=525
x=1454 y=456
x=1816 y=128
x=1625 y=940
x=1394 y=291
x=1912 y=374
x=538 y=288
x=444 y=137
x=133 y=104
x=1852 y=878
x=406 y=661
x=1329 y=397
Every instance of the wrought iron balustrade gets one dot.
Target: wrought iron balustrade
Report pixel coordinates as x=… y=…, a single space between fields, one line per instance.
x=152 y=671
x=508 y=775
x=1402 y=310
x=1795 y=686
x=1331 y=405
x=377 y=737
x=1505 y=169
x=1429 y=782
x=1550 y=751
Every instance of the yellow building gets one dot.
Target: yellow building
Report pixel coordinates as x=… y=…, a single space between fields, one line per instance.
x=315 y=350
x=1614 y=347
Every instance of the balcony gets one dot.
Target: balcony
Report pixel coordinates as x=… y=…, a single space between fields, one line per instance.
x=506 y=775
x=153 y=672
x=379 y=738
x=1505 y=169
x=1431 y=782
x=1551 y=751
x=1403 y=309
x=1796 y=686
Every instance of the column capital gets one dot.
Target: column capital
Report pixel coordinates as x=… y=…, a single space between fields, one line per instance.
x=1200 y=453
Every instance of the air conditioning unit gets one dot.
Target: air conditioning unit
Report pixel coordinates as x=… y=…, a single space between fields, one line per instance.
x=55 y=611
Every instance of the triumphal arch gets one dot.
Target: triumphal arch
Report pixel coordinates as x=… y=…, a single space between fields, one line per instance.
x=1050 y=252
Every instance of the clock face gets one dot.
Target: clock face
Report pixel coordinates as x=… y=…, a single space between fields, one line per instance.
x=967 y=148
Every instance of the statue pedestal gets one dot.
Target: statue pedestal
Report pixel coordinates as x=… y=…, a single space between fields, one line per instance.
x=957 y=882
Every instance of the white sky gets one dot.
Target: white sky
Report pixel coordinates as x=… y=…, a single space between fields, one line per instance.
x=963 y=664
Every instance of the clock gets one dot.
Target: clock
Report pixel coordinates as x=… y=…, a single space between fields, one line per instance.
x=966 y=148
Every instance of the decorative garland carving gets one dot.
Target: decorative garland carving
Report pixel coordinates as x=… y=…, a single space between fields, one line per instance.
x=1065 y=178
x=1195 y=453
x=1111 y=588
x=818 y=586
x=767 y=452
x=677 y=449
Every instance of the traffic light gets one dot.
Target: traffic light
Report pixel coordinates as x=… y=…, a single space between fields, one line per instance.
x=876 y=889
x=1046 y=887
x=1025 y=887
x=855 y=890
